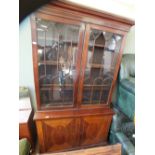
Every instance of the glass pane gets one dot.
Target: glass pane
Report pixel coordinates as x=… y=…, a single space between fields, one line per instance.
x=92 y=95
x=57 y=54
x=57 y=96
x=102 y=56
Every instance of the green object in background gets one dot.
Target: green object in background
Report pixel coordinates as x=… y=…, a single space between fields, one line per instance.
x=126 y=102
x=23 y=92
x=126 y=86
x=24 y=147
x=123 y=128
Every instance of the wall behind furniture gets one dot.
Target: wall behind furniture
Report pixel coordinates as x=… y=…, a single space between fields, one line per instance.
x=130 y=41
x=25 y=55
x=25 y=59
x=129 y=48
x=124 y=8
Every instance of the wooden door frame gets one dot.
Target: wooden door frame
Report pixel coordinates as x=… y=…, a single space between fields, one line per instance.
x=35 y=56
x=84 y=63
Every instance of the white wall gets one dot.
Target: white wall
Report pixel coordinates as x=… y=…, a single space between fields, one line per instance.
x=129 y=49
x=130 y=41
x=124 y=8
x=25 y=59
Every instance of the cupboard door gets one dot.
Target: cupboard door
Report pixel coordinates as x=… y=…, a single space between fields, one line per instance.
x=59 y=134
x=58 y=53
x=100 y=57
x=94 y=130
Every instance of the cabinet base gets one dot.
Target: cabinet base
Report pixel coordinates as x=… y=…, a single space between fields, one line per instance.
x=71 y=133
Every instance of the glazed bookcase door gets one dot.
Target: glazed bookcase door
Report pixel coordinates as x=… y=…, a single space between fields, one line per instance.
x=57 y=55
x=102 y=51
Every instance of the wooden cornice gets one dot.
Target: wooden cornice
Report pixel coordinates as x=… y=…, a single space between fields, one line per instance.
x=101 y=14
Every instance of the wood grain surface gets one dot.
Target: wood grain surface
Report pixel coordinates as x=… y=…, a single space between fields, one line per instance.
x=105 y=150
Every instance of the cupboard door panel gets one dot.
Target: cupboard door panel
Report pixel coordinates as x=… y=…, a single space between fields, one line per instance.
x=59 y=134
x=94 y=129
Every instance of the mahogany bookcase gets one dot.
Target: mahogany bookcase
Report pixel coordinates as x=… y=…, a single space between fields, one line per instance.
x=76 y=57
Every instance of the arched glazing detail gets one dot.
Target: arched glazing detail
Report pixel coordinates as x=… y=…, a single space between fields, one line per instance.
x=57 y=53
x=102 y=54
